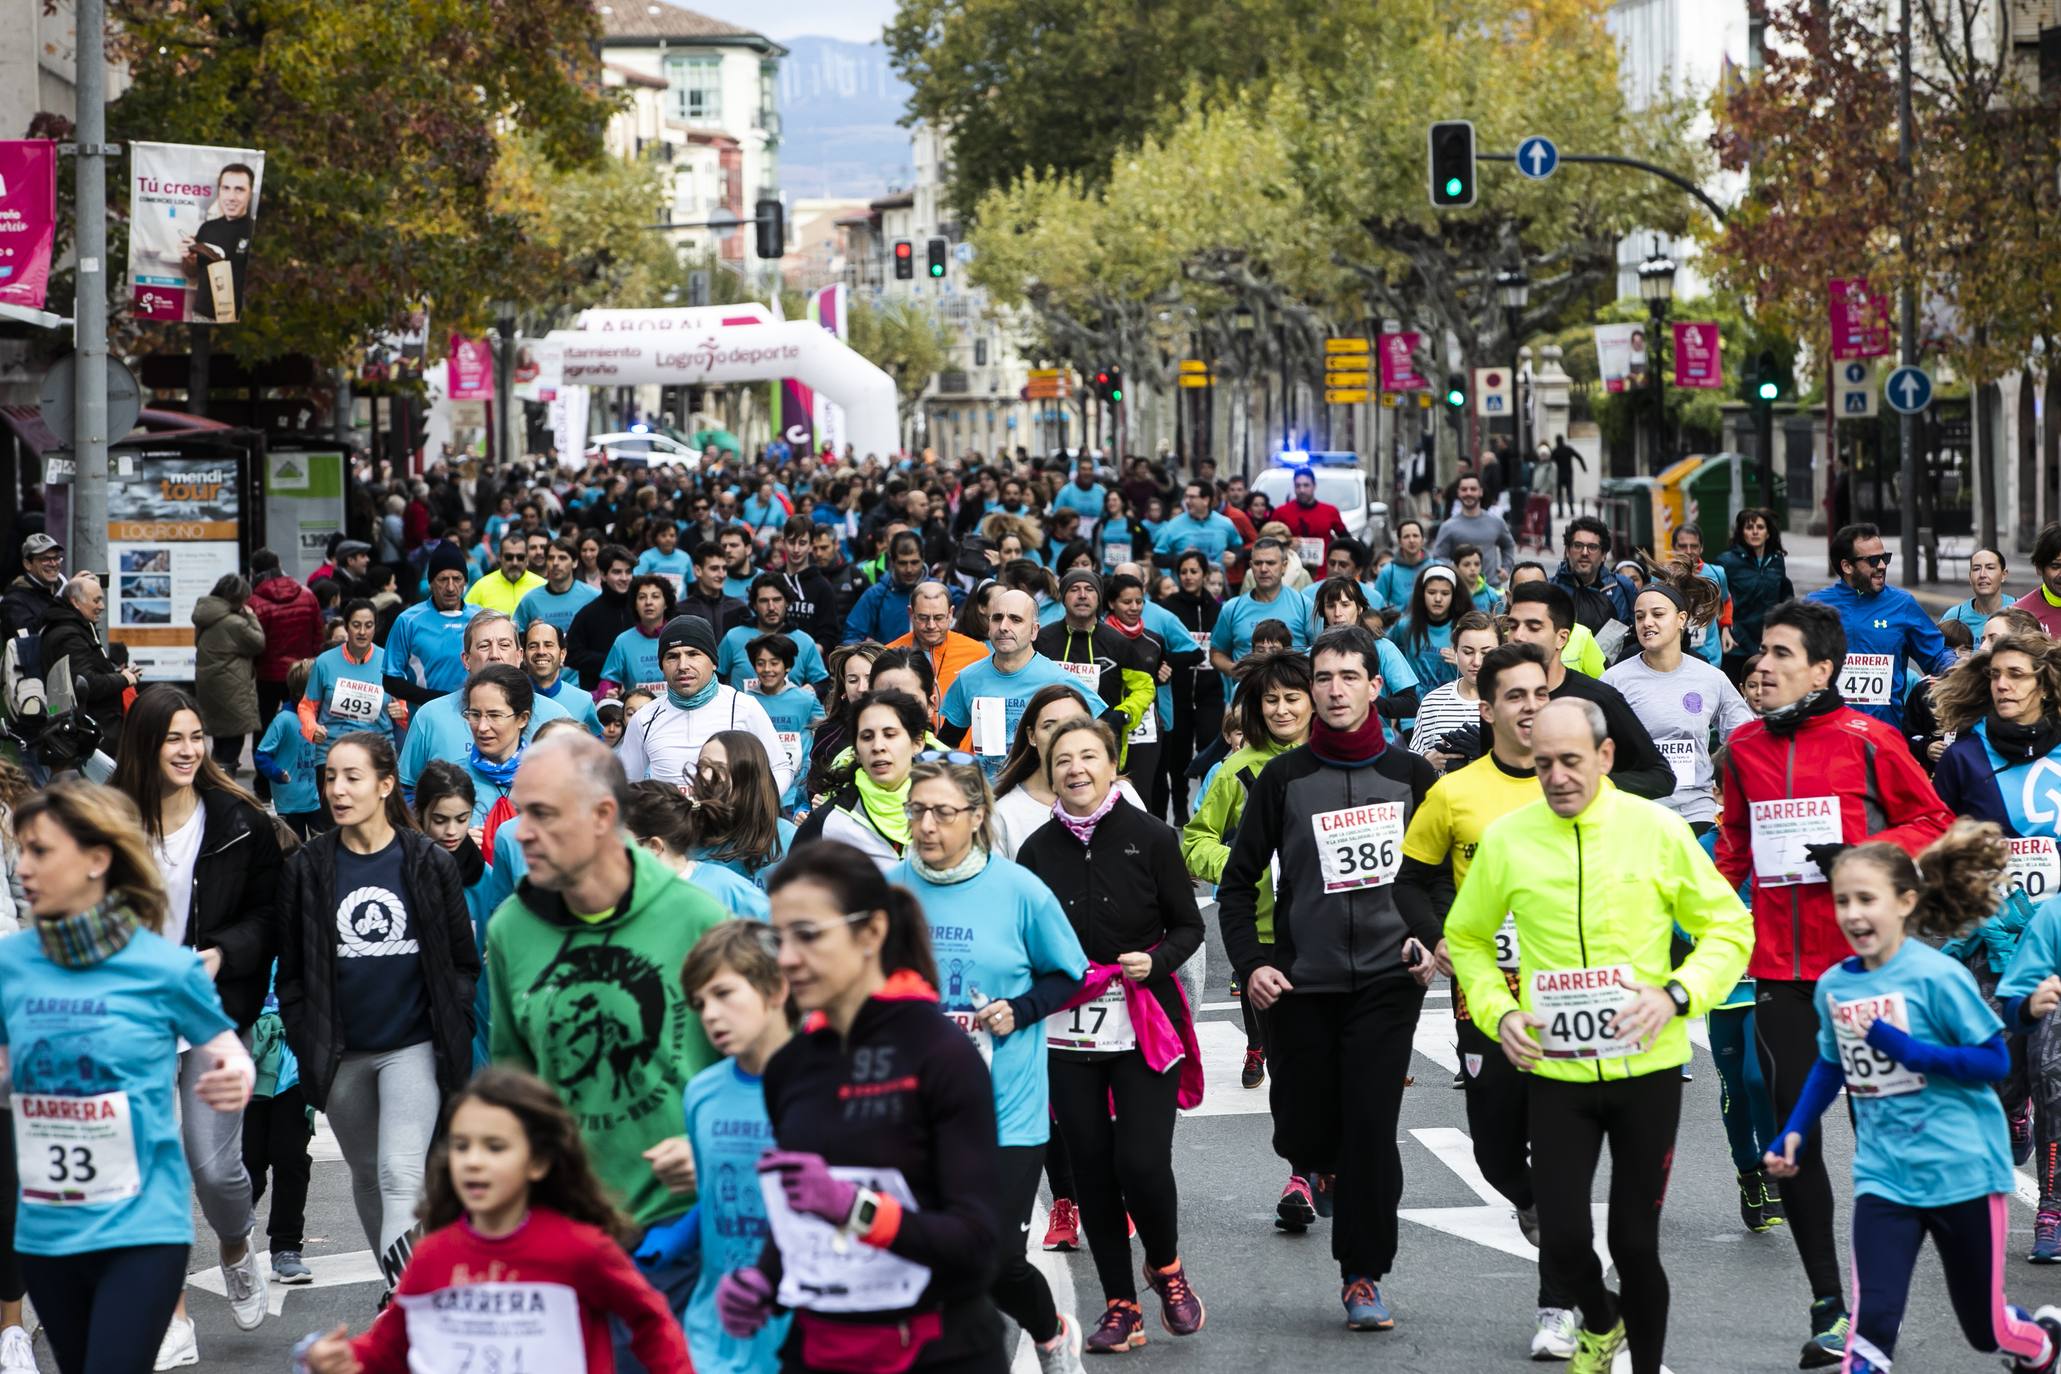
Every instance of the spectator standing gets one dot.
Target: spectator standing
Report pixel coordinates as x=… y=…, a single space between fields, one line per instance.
x=228 y=642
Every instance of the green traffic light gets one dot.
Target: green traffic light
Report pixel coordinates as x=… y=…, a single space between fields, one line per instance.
x=1116 y=395
x=1769 y=391
x=1453 y=186
x=1456 y=399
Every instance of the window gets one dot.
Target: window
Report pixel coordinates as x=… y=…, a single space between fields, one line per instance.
x=695 y=88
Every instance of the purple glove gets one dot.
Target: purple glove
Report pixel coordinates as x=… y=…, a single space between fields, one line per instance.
x=744 y=1300
x=810 y=1189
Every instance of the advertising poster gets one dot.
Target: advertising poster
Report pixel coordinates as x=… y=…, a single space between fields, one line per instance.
x=539 y=370
x=1860 y=319
x=304 y=505
x=28 y=219
x=172 y=527
x=191 y=214
x=471 y=369
x=1621 y=355
x=1697 y=360
x=1398 y=366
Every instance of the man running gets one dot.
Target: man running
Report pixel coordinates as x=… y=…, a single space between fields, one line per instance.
x=1884 y=625
x=930 y=629
x=1342 y=1001
x=988 y=698
x=1803 y=782
x=664 y=739
x=1595 y=882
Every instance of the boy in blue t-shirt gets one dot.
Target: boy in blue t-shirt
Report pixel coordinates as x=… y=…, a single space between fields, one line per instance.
x=291 y=762
x=793 y=710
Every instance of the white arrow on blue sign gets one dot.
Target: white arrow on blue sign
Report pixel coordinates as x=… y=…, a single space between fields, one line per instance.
x=1908 y=390
x=1537 y=157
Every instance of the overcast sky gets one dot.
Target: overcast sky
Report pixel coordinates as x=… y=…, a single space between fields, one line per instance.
x=857 y=20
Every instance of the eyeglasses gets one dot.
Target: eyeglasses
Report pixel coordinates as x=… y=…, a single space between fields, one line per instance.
x=806 y=933
x=946 y=756
x=490 y=717
x=1585 y=546
x=946 y=815
x=1874 y=560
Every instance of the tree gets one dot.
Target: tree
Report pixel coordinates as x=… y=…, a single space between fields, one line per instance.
x=902 y=341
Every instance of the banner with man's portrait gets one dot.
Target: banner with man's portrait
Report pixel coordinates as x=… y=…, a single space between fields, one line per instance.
x=191 y=214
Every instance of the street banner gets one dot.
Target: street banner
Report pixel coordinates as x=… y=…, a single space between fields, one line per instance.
x=172 y=527
x=1621 y=356
x=191 y=213
x=1698 y=363
x=470 y=375
x=28 y=220
x=1398 y=367
x=539 y=370
x=1860 y=319
x=304 y=506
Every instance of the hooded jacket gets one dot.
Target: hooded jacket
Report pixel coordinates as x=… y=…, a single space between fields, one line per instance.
x=594 y=631
x=227 y=644
x=235 y=902
x=68 y=634
x=292 y=619
x=26 y=604
x=1597 y=603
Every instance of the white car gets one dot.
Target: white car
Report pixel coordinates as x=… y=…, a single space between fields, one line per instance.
x=632 y=446
x=1341 y=483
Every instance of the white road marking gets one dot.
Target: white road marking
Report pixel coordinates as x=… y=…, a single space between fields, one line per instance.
x=1052 y=1264
x=331 y=1271
x=1223 y=1059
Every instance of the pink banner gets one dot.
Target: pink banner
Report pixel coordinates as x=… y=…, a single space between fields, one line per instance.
x=28 y=219
x=1697 y=363
x=471 y=370
x=1860 y=319
x=1398 y=370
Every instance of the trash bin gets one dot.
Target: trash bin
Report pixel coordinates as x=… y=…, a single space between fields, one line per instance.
x=1671 y=505
x=1709 y=491
x=1627 y=506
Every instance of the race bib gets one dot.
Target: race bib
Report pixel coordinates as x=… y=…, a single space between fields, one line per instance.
x=1699 y=635
x=790 y=741
x=1090 y=673
x=1311 y=552
x=1201 y=640
x=2035 y=867
x=1579 y=1008
x=1115 y=552
x=990 y=726
x=1146 y=731
x=495 y=1328
x=1869 y=1072
x=824 y=1270
x=1506 y=942
x=1681 y=755
x=354 y=700
x=1782 y=829
x=657 y=689
x=983 y=1039
x=751 y=686
x=75 y=1151
x=679 y=581
x=1102 y=1026
x=1864 y=680
x=1359 y=846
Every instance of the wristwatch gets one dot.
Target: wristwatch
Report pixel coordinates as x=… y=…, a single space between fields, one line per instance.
x=1680 y=995
x=865 y=1207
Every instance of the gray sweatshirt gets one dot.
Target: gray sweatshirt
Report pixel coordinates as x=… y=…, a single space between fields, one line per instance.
x=1488 y=532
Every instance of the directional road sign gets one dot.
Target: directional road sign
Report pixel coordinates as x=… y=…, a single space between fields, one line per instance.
x=1854 y=392
x=1909 y=390
x=1537 y=157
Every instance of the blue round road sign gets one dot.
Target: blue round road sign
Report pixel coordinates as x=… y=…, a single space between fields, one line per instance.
x=1537 y=157
x=1908 y=390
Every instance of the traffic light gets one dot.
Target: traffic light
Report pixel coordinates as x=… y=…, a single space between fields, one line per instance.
x=938 y=249
x=905 y=260
x=772 y=231
x=1100 y=386
x=1452 y=164
x=1456 y=390
x=1113 y=388
x=1766 y=383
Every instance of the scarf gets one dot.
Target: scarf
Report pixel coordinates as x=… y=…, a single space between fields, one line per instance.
x=1348 y=748
x=98 y=933
x=1127 y=631
x=1787 y=720
x=698 y=700
x=1083 y=827
x=502 y=775
x=969 y=867
x=2022 y=743
x=883 y=807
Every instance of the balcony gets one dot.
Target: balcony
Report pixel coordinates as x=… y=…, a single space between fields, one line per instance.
x=769 y=122
x=952 y=382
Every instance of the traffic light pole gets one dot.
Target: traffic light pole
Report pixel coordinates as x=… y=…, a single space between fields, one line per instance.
x=1717 y=211
x=89 y=311
x=1908 y=323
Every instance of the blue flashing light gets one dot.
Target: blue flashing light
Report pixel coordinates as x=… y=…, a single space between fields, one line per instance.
x=640 y=428
x=1292 y=458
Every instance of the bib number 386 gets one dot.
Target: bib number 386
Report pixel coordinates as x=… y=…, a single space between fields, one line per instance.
x=1359 y=846
x=1579 y=1008
x=75 y=1151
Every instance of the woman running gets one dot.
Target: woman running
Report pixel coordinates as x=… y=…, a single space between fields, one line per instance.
x=1023 y=793
x=104 y=1226
x=376 y=976
x=741 y=825
x=632 y=663
x=346 y=686
x=446 y=801
x=1756 y=571
x=1678 y=697
x=1451 y=710
x=1007 y=959
x=1124 y=595
x=868 y=813
x=1425 y=633
x=1129 y=1039
x=851 y=676
x=668 y=824
x=498 y=702
x=905 y=1187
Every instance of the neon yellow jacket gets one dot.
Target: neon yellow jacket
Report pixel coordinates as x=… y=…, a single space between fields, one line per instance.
x=1206 y=839
x=1583 y=653
x=1603 y=889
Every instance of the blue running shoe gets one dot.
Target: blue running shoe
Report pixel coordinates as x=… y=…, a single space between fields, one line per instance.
x=2046 y=1237
x=1364 y=1309
x=1829 y=1326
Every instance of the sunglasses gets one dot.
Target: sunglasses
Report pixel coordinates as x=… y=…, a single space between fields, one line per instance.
x=946 y=756
x=1874 y=560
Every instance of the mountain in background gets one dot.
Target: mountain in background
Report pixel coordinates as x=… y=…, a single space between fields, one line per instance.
x=839 y=103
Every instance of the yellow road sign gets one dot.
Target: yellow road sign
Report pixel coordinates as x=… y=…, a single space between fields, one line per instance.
x=1336 y=396
x=1345 y=346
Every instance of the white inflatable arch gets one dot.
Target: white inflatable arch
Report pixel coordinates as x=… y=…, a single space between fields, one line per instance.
x=733 y=343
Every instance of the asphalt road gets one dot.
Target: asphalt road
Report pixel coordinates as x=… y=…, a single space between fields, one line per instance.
x=1462 y=1292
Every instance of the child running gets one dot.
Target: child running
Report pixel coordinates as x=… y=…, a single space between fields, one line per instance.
x=1918 y=1049
x=521 y=1268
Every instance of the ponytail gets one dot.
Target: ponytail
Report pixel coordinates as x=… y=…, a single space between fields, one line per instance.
x=1958 y=878
x=856 y=883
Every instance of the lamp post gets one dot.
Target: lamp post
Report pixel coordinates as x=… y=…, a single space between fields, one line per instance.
x=1513 y=289
x=1244 y=322
x=1657 y=285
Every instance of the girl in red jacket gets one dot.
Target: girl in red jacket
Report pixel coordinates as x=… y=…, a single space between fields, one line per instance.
x=523 y=1264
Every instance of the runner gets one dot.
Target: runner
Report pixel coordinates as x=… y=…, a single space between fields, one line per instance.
x=741 y=825
x=884 y=1224
x=794 y=711
x=346 y=686
x=664 y=739
x=1908 y=1033
x=1116 y=669
x=498 y=706
x=1808 y=777
x=103 y=1226
x=1197 y=691
x=1341 y=1003
x=1541 y=613
x=1599 y=1019
x=1680 y=699
x=596 y=625
x=869 y=813
x=1425 y=633
x=1128 y=1041
x=562 y=597
x=503 y=589
x=1448 y=730
x=543 y=656
x=1023 y=792
x=1007 y=960
x=987 y=700
x=769 y=609
x=851 y=677
x=931 y=634
x=445 y=799
x=633 y=659
x=439 y=729
x=1884 y=626
x=667 y=824
x=1151 y=660
x=424 y=652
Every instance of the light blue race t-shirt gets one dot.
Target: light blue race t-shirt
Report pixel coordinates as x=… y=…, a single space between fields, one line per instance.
x=728 y=1128
x=983 y=680
x=426 y=646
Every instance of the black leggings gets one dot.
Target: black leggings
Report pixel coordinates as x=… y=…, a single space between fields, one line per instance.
x=1785 y=1030
x=1499 y=1119
x=1059 y=1166
x=228 y=752
x=11 y=1287
x=1196 y=723
x=1115 y=1171
x=1141 y=766
x=275 y=1142
x=105 y=1311
x=1569 y=1124
x=1020 y=1290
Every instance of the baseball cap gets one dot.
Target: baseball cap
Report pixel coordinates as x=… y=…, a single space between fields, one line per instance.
x=36 y=545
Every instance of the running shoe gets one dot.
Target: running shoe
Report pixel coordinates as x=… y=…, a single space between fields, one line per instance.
x=1594 y=1353
x=17 y=1352
x=1829 y=1325
x=1555 y=1338
x=1130 y=1227
x=1364 y=1309
x=1528 y=1223
x=1062 y=1355
x=1180 y=1311
x=2021 y=1132
x=1122 y=1328
x=244 y=1285
x=2049 y=1319
x=1255 y=1071
x=1063 y=1231
x=1297 y=1210
x=1760 y=1206
x=1323 y=1192
x=289 y=1268
x=2046 y=1237
x=1460 y=1082
x=180 y=1347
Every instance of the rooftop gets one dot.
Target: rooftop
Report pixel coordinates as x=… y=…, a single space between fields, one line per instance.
x=653 y=21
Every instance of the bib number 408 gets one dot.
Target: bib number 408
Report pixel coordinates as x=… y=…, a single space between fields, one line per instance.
x=1583 y=1026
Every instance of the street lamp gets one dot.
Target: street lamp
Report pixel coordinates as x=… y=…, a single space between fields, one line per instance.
x=1657 y=285
x=1513 y=289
